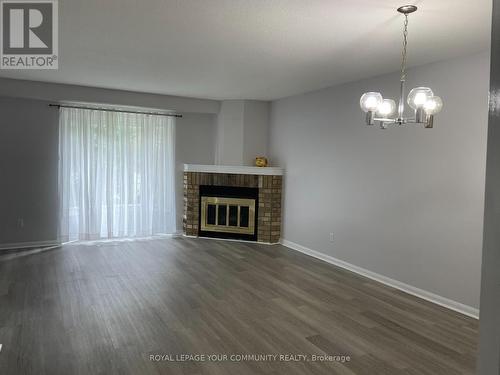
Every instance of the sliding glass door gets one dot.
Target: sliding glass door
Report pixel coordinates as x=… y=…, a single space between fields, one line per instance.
x=116 y=174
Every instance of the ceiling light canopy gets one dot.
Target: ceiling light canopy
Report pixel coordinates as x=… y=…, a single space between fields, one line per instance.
x=421 y=99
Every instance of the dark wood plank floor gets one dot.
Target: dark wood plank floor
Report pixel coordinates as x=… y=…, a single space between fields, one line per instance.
x=105 y=308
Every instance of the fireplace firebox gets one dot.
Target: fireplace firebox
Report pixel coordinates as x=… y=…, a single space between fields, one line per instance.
x=228 y=212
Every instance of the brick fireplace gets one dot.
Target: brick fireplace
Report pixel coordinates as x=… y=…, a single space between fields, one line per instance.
x=217 y=202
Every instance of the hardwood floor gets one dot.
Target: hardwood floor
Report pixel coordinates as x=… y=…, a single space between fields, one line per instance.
x=105 y=308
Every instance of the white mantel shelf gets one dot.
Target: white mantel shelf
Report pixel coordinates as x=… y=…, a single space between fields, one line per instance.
x=234 y=169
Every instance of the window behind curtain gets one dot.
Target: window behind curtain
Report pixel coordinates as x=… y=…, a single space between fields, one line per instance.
x=116 y=174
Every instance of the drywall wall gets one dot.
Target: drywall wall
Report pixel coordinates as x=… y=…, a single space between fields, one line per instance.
x=255 y=131
x=195 y=136
x=230 y=123
x=489 y=340
x=28 y=171
x=242 y=131
x=406 y=203
x=74 y=93
x=29 y=161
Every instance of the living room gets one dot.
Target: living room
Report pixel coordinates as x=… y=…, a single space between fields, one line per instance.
x=258 y=187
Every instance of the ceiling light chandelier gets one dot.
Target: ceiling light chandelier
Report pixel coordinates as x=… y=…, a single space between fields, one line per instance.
x=421 y=99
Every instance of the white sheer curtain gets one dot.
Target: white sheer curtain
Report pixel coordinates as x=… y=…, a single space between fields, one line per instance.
x=116 y=174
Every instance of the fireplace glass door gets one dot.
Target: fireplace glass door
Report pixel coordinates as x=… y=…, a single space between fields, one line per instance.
x=228 y=215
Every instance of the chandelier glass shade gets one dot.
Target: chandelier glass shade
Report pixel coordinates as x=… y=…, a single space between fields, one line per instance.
x=421 y=99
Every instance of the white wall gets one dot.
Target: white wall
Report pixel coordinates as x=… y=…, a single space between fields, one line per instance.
x=242 y=131
x=75 y=93
x=230 y=123
x=195 y=136
x=28 y=171
x=256 y=130
x=406 y=202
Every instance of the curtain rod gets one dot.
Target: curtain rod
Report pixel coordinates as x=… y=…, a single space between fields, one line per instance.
x=116 y=110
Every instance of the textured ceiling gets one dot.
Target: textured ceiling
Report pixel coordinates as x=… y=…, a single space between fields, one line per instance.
x=252 y=49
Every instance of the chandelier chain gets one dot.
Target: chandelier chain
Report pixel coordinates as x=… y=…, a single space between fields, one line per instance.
x=405 y=43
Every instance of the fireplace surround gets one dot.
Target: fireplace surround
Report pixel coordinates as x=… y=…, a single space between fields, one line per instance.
x=219 y=202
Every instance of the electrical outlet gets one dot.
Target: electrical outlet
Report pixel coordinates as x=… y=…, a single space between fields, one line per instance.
x=331 y=237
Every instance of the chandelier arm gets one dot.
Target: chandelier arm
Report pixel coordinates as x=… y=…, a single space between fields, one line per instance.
x=401 y=103
x=402 y=121
x=384 y=119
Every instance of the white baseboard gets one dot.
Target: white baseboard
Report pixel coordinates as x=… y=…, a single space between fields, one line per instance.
x=27 y=245
x=123 y=239
x=428 y=296
x=178 y=233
